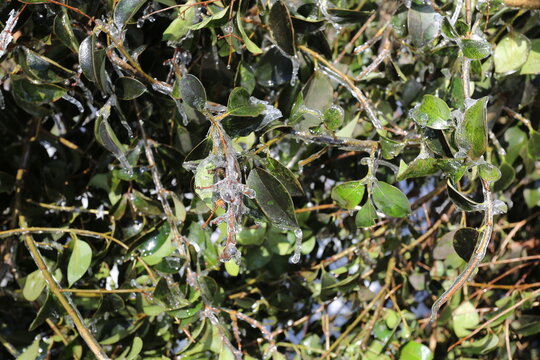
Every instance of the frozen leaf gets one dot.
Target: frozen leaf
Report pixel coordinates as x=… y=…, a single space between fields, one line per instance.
x=79 y=261
x=192 y=91
x=36 y=93
x=419 y=167
x=464 y=242
x=285 y=177
x=349 y=194
x=280 y=24
x=124 y=11
x=390 y=200
x=129 y=88
x=511 y=53
x=461 y=201
x=63 y=29
x=144 y=204
x=41 y=68
x=179 y=28
x=489 y=172
x=475 y=49
x=508 y=174
x=432 y=112
x=333 y=117
x=217 y=19
x=366 y=216
x=273 y=198
x=472 y=133
x=423 y=24
x=239 y=104
x=92 y=63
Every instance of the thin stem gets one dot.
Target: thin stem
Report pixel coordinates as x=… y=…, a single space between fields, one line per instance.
x=56 y=289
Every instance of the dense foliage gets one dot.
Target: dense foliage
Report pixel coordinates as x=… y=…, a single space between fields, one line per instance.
x=269 y=179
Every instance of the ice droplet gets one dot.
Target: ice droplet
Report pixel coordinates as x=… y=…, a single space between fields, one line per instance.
x=298 y=246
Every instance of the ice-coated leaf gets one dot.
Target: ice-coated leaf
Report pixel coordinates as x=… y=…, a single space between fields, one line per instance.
x=107 y=138
x=34 y=285
x=42 y=69
x=128 y=88
x=419 y=167
x=534 y=144
x=92 y=63
x=508 y=174
x=349 y=194
x=532 y=65
x=239 y=104
x=250 y=45
x=472 y=134
x=144 y=204
x=475 y=49
x=415 y=351
x=151 y=242
x=273 y=198
x=192 y=91
x=214 y=20
x=366 y=216
x=423 y=24
x=432 y=112
x=35 y=93
x=180 y=27
x=333 y=117
x=464 y=319
x=63 y=29
x=390 y=200
x=124 y=11
x=280 y=24
x=285 y=177
x=346 y=16
x=79 y=261
x=464 y=242
x=461 y=201
x=511 y=53
x=489 y=172
x=448 y=29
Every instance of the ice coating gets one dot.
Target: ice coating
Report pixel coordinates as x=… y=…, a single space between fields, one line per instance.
x=74 y=101
x=297 y=246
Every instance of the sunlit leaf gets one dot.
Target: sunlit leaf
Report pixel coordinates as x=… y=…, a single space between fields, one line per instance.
x=415 y=351
x=432 y=112
x=464 y=319
x=423 y=24
x=390 y=200
x=475 y=49
x=366 y=216
x=472 y=133
x=511 y=53
x=349 y=194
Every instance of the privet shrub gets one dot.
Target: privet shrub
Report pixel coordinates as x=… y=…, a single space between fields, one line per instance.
x=269 y=179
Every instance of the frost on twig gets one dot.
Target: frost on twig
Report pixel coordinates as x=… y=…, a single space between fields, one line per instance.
x=228 y=190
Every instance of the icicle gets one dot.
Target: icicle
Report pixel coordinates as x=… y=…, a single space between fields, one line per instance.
x=298 y=245
x=74 y=101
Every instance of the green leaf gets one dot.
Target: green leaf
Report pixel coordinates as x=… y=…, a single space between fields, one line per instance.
x=419 y=167
x=31 y=352
x=448 y=29
x=273 y=198
x=415 y=351
x=346 y=16
x=472 y=133
x=464 y=242
x=192 y=91
x=128 y=88
x=63 y=29
x=35 y=93
x=214 y=20
x=285 y=176
x=136 y=348
x=475 y=49
x=485 y=345
x=465 y=318
x=232 y=268
x=489 y=172
x=508 y=174
x=527 y=325
x=252 y=235
x=423 y=24
x=92 y=63
x=124 y=11
x=390 y=200
x=532 y=64
x=432 y=112
x=461 y=201
x=79 y=261
x=179 y=27
x=107 y=138
x=34 y=285
x=534 y=144
x=250 y=45
x=333 y=117
x=154 y=240
x=239 y=104
x=280 y=24
x=349 y=194
x=41 y=68
x=511 y=53
x=48 y=309
x=532 y=197
x=366 y=216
